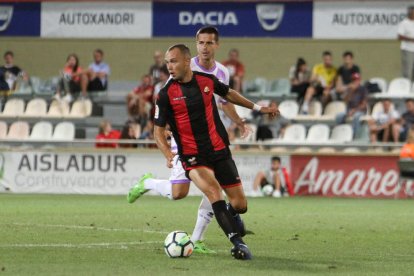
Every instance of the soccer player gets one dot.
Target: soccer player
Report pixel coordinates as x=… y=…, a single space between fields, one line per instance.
x=177 y=187
x=187 y=104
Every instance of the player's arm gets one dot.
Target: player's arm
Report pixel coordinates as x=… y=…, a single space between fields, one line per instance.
x=236 y=98
x=162 y=143
x=231 y=112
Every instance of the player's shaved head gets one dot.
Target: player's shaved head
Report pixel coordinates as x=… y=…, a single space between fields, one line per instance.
x=185 y=51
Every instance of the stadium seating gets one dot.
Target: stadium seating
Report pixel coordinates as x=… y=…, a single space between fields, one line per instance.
x=277 y=88
x=399 y=86
x=315 y=112
x=3 y=130
x=64 y=131
x=342 y=133
x=13 y=108
x=18 y=131
x=351 y=150
x=295 y=133
x=327 y=150
x=41 y=131
x=334 y=108
x=81 y=109
x=318 y=133
x=382 y=83
x=289 y=109
x=58 y=109
x=37 y=107
x=379 y=108
x=243 y=112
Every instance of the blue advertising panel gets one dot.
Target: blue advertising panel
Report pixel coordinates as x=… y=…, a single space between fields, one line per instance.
x=20 y=19
x=279 y=19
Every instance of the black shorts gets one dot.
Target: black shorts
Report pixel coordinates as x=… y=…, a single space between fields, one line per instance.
x=96 y=85
x=221 y=162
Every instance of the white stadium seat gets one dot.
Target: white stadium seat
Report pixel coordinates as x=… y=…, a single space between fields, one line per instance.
x=3 y=130
x=58 y=109
x=41 y=131
x=64 y=131
x=334 y=108
x=36 y=108
x=295 y=133
x=382 y=83
x=289 y=109
x=243 y=112
x=399 y=86
x=81 y=109
x=318 y=133
x=13 y=108
x=342 y=133
x=18 y=130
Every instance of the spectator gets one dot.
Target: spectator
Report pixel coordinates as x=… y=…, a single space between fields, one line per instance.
x=130 y=131
x=139 y=101
x=236 y=70
x=164 y=76
x=11 y=73
x=345 y=73
x=271 y=177
x=107 y=133
x=406 y=36
x=407 y=120
x=268 y=127
x=382 y=126
x=321 y=83
x=299 y=77
x=407 y=151
x=356 y=99
x=155 y=69
x=98 y=72
x=73 y=79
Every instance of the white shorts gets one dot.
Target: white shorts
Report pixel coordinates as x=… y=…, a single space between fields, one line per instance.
x=178 y=173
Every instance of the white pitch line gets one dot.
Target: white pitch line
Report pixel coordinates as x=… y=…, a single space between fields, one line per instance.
x=89 y=228
x=82 y=245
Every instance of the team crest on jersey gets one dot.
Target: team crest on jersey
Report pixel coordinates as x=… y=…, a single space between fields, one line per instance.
x=206 y=89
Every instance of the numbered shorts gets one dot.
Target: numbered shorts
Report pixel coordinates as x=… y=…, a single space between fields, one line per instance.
x=178 y=173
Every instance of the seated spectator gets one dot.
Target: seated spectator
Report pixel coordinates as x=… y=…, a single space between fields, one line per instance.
x=164 y=76
x=130 y=131
x=271 y=177
x=321 y=82
x=356 y=99
x=407 y=151
x=236 y=70
x=107 y=133
x=382 y=125
x=407 y=120
x=155 y=69
x=73 y=79
x=268 y=127
x=98 y=72
x=140 y=100
x=11 y=72
x=299 y=77
x=345 y=73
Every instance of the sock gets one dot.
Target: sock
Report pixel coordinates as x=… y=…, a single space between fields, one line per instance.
x=231 y=210
x=305 y=106
x=226 y=222
x=205 y=214
x=161 y=186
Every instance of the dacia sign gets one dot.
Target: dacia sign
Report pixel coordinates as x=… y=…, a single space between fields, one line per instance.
x=19 y=19
x=241 y=20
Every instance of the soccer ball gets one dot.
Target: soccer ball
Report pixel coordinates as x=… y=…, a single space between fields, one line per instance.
x=178 y=244
x=267 y=190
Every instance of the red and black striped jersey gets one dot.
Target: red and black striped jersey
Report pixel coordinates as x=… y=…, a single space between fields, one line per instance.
x=191 y=111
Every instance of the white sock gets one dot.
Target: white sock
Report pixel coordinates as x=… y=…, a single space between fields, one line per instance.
x=205 y=214
x=305 y=106
x=161 y=186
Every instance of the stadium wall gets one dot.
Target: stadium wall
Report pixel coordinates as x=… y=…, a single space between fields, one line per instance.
x=114 y=172
x=267 y=57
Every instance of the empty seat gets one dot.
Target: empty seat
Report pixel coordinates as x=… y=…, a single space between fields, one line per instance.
x=289 y=109
x=13 y=108
x=342 y=133
x=64 y=131
x=399 y=86
x=351 y=150
x=81 y=109
x=303 y=150
x=243 y=112
x=318 y=133
x=58 y=109
x=42 y=131
x=334 y=108
x=278 y=87
x=258 y=85
x=295 y=132
x=327 y=150
x=3 y=130
x=381 y=82
x=18 y=130
x=36 y=108
x=315 y=108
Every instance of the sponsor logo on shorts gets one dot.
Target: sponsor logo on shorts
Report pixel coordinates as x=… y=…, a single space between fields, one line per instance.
x=270 y=15
x=6 y=14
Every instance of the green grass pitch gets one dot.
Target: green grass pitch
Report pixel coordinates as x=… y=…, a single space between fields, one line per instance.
x=104 y=235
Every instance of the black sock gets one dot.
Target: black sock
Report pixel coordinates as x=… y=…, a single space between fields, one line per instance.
x=226 y=221
x=231 y=210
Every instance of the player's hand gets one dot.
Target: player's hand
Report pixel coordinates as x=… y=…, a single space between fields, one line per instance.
x=273 y=111
x=245 y=129
x=170 y=159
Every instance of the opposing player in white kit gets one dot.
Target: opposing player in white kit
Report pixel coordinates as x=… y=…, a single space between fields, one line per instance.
x=178 y=185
